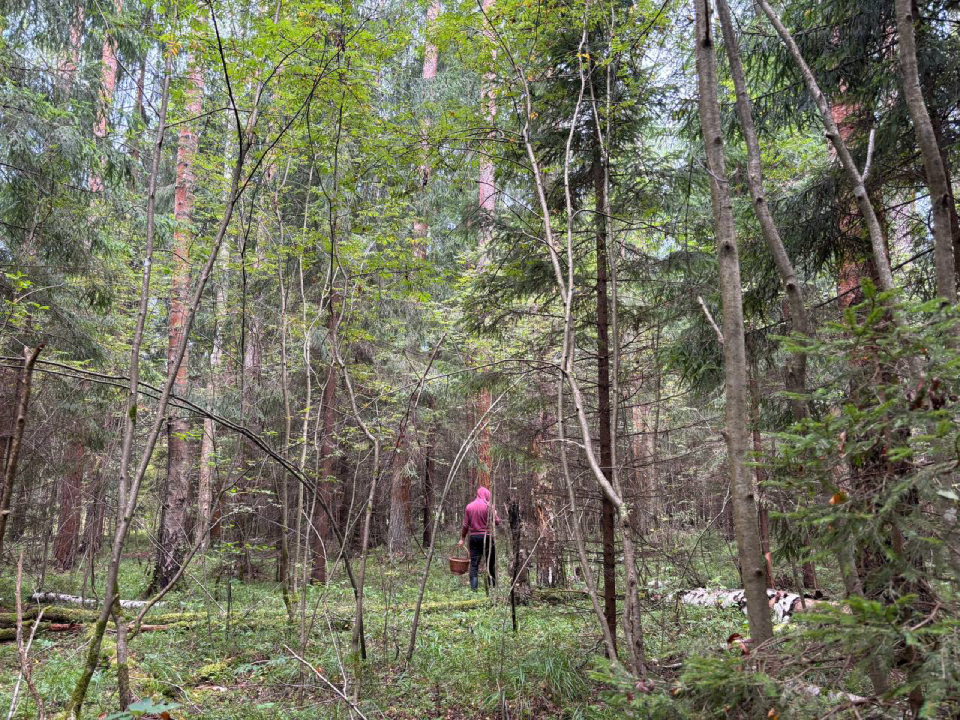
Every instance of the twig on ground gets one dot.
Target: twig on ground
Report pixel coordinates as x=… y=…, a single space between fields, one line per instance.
x=329 y=684
x=24 y=650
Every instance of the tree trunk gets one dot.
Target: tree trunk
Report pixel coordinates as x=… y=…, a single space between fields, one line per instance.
x=952 y=205
x=206 y=490
x=644 y=447
x=95 y=491
x=480 y=470
x=799 y=320
x=487 y=190
x=16 y=440
x=940 y=196
x=173 y=537
x=605 y=432
x=549 y=562
x=398 y=532
x=249 y=498
x=108 y=84
x=763 y=515
x=320 y=532
x=68 y=529
x=67 y=70
x=429 y=473
x=742 y=487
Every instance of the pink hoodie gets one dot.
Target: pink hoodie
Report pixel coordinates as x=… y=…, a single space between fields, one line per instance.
x=477 y=514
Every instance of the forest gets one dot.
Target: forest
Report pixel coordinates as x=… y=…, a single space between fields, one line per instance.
x=479 y=359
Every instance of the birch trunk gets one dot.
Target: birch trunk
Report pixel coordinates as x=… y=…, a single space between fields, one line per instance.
x=207 y=475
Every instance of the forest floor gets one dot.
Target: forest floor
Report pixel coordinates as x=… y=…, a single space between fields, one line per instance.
x=235 y=659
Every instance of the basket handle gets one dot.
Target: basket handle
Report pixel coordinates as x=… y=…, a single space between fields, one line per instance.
x=457 y=551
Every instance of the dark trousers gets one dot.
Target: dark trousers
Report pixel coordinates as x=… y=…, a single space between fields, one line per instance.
x=481 y=545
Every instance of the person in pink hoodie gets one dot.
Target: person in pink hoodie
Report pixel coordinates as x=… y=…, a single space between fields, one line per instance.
x=476 y=526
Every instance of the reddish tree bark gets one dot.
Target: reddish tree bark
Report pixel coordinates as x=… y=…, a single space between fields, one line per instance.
x=479 y=472
x=67 y=71
x=94 y=491
x=108 y=84
x=68 y=529
x=173 y=525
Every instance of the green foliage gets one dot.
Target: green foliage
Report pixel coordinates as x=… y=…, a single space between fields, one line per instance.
x=144 y=707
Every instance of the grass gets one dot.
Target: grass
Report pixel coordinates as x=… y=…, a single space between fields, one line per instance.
x=469 y=664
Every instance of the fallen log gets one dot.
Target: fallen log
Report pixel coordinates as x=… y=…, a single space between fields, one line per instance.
x=9 y=634
x=53 y=613
x=784 y=604
x=52 y=597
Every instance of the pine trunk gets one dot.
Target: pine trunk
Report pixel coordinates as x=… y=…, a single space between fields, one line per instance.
x=175 y=501
x=108 y=84
x=68 y=529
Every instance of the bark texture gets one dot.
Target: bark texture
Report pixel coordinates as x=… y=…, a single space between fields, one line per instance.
x=207 y=473
x=320 y=530
x=799 y=319
x=549 y=562
x=16 y=440
x=174 y=537
x=68 y=528
x=398 y=532
x=940 y=196
x=604 y=414
x=109 y=65
x=742 y=487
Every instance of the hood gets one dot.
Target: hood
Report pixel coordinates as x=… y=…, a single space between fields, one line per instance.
x=483 y=494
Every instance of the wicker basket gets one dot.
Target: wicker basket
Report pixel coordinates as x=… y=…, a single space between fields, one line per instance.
x=459 y=565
